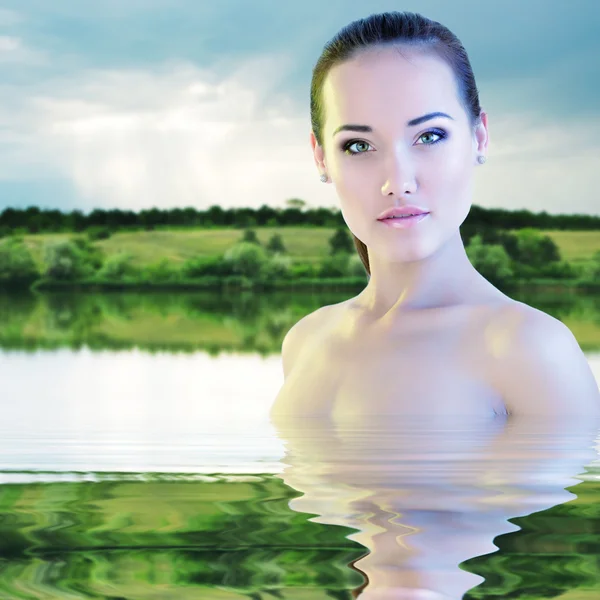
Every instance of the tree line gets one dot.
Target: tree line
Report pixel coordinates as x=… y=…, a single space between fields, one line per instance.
x=37 y=220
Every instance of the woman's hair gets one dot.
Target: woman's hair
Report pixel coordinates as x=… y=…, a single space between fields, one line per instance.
x=404 y=29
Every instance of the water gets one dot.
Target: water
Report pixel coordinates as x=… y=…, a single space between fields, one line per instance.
x=148 y=473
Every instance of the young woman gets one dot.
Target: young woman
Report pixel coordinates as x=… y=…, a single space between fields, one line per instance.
x=397 y=128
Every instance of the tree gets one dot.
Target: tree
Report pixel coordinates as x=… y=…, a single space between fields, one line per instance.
x=68 y=261
x=17 y=267
x=534 y=249
x=341 y=241
x=491 y=260
x=250 y=237
x=117 y=267
x=275 y=244
x=295 y=203
x=246 y=259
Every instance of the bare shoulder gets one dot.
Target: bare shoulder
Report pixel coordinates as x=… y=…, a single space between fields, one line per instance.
x=542 y=368
x=302 y=332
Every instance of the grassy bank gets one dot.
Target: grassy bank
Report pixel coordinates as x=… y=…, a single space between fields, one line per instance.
x=302 y=243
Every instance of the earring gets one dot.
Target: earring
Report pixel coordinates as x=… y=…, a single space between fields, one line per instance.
x=323 y=178
x=481 y=159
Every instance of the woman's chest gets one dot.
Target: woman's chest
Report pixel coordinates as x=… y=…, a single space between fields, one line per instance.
x=426 y=372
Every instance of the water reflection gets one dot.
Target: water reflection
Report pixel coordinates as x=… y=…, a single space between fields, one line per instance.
x=427 y=496
x=207 y=320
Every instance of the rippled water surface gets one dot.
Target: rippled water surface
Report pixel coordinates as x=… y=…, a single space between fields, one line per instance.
x=307 y=509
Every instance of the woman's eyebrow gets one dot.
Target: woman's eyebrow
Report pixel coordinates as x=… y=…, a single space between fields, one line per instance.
x=411 y=123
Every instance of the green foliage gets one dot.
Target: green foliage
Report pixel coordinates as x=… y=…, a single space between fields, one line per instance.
x=275 y=244
x=303 y=269
x=335 y=266
x=69 y=260
x=356 y=267
x=535 y=249
x=117 y=267
x=160 y=271
x=201 y=266
x=246 y=259
x=277 y=267
x=591 y=270
x=558 y=270
x=92 y=254
x=98 y=233
x=492 y=261
x=17 y=267
x=341 y=241
x=250 y=237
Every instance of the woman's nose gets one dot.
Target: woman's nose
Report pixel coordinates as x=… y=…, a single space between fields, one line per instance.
x=400 y=177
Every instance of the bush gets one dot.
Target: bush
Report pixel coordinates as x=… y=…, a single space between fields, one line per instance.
x=535 y=249
x=201 y=266
x=98 y=233
x=559 y=270
x=160 y=271
x=246 y=258
x=277 y=267
x=17 y=267
x=356 y=267
x=334 y=266
x=275 y=244
x=298 y=270
x=491 y=260
x=341 y=241
x=68 y=260
x=591 y=270
x=93 y=255
x=117 y=267
x=250 y=237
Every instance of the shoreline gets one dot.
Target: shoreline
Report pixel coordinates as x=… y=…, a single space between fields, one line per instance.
x=243 y=283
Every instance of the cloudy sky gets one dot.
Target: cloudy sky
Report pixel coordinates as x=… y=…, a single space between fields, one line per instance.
x=139 y=103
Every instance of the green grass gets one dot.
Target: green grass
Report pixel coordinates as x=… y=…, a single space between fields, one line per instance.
x=302 y=243
x=575 y=246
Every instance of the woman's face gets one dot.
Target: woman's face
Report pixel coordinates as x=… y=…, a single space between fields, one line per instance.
x=428 y=164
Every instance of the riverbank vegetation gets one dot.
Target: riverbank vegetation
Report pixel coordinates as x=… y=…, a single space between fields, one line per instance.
x=271 y=258
x=255 y=249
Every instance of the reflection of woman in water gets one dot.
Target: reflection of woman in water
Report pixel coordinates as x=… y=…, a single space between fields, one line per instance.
x=424 y=498
x=396 y=123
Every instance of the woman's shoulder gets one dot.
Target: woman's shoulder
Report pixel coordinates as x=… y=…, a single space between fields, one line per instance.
x=543 y=369
x=304 y=331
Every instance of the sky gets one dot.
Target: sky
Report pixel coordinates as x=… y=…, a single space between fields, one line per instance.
x=136 y=104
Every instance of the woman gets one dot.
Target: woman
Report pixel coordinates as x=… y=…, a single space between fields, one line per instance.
x=397 y=128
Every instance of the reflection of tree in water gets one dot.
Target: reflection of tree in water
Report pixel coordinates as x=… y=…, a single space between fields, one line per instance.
x=92 y=536
x=189 y=321
x=78 y=314
x=16 y=308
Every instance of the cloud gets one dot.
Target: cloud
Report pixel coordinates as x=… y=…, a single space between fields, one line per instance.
x=180 y=135
x=174 y=136
x=13 y=50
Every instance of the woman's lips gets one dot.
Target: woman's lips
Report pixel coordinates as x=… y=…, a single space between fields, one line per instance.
x=404 y=222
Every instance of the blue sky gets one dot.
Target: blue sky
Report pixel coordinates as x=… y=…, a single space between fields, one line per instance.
x=141 y=103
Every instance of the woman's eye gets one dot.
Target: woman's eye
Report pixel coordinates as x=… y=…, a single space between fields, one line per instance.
x=440 y=134
x=359 y=143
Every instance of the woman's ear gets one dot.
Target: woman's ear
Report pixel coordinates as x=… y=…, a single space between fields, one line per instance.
x=318 y=153
x=482 y=136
